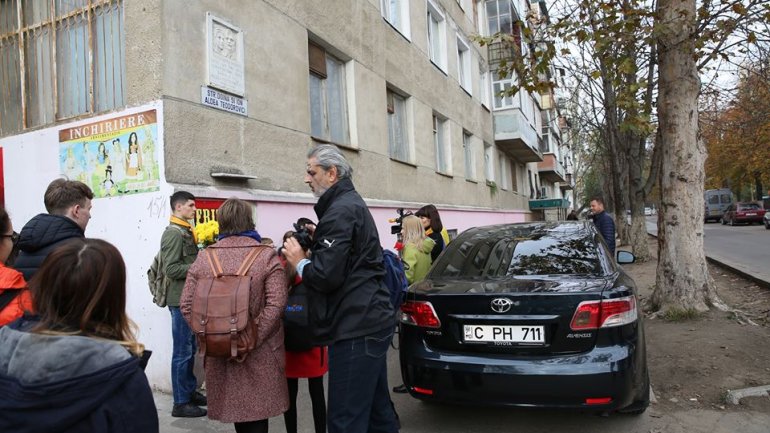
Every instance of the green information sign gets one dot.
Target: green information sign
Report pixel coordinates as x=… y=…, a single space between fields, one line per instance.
x=549 y=203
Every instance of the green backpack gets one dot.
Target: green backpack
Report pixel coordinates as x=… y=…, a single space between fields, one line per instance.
x=158 y=282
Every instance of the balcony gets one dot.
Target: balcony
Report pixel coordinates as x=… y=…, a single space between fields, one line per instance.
x=569 y=184
x=500 y=51
x=550 y=169
x=515 y=136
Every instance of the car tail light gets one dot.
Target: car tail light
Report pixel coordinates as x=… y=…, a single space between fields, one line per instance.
x=419 y=313
x=422 y=390
x=601 y=400
x=604 y=314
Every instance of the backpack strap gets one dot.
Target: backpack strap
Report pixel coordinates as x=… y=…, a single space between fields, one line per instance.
x=8 y=296
x=249 y=260
x=216 y=266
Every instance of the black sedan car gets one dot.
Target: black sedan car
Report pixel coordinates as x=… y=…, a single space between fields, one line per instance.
x=531 y=315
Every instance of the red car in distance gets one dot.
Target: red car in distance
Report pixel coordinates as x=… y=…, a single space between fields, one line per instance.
x=746 y=212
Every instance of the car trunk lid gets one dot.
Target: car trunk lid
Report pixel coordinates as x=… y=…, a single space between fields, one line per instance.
x=524 y=316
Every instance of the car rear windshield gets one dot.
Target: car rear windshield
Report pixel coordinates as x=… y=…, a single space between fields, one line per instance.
x=748 y=206
x=489 y=257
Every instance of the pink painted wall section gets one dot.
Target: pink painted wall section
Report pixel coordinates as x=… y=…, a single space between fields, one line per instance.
x=274 y=219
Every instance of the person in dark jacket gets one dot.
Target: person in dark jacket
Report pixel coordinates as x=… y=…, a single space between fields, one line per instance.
x=345 y=273
x=76 y=367
x=68 y=203
x=604 y=223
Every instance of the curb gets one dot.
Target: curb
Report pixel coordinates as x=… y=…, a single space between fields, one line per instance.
x=744 y=274
x=735 y=396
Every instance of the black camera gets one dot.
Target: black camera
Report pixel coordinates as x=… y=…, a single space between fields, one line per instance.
x=396 y=229
x=303 y=236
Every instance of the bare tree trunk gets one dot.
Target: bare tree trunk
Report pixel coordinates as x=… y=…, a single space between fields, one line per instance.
x=683 y=281
x=638 y=230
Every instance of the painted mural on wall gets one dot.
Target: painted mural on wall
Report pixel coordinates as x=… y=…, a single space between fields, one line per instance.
x=116 y=156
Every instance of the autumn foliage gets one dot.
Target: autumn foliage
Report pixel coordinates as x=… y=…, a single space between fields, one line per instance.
x=737 y=136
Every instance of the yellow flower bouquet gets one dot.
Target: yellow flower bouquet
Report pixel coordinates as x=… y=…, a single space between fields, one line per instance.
x=206 y=233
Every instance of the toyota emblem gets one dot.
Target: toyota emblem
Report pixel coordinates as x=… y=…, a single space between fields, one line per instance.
x=501 y=305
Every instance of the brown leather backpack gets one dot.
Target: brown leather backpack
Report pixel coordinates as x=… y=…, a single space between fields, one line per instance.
x=221 y=320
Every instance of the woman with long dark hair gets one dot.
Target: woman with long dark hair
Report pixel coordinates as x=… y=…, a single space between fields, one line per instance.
x=76 y=366
x=431 y=221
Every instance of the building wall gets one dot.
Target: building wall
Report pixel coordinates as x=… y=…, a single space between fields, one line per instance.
x=271 y=142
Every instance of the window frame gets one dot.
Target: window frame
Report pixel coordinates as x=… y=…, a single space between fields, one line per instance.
x=441 y=144
x=470 y=156
x=402 y=24
x=322 y=74
x=393 y=112
x=43 y=44
x=489 y=162
x=485 y=87
x=464 y=58
x=439 y=59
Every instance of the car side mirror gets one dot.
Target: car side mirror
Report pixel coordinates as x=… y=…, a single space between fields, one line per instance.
x=625 y=257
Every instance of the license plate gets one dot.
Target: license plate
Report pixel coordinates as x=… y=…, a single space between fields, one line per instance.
x=504 y=334
x=751 y=214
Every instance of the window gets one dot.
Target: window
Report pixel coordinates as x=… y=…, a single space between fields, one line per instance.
x=464 y=64
x=396 y=12
x=470 y=157
x=436 y=36
x=507 y=252
x=485 y=86
x=504 y=171
x=73 y=60
x=499 y=17
x=443 y=150
x=501 y=101
x=398 y=141
x=489 y=163
x=328 y=102
x=514 y=176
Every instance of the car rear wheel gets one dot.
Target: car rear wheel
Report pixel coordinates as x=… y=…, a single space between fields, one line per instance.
x=767 y=226
x=640 y=405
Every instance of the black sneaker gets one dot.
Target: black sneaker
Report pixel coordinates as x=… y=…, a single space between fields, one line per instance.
x=198 y=399
x=187 y=410
x=401 y=389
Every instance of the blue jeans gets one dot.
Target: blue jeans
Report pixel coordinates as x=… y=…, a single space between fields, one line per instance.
x=183 y=380
x=359 y=399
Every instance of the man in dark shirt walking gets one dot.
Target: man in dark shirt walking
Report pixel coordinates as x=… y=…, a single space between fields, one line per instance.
x=604 y=223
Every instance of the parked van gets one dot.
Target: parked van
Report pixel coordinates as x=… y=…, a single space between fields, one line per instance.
x=717 y=200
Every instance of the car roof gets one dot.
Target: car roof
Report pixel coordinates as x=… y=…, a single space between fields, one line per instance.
x=530 y=230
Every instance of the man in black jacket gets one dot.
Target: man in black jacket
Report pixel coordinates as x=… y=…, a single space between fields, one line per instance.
x=68 y=203
x=352 y=311
x=604 y=223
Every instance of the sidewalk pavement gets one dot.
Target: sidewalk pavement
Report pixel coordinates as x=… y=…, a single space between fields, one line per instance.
x=168 y=424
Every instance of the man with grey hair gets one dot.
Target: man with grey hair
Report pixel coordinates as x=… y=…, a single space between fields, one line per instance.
x=350 y=308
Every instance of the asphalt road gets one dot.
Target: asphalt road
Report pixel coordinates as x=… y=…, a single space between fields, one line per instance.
x=744 y=248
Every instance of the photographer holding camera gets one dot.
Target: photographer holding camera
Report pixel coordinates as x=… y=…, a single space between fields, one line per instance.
x=349 y=302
